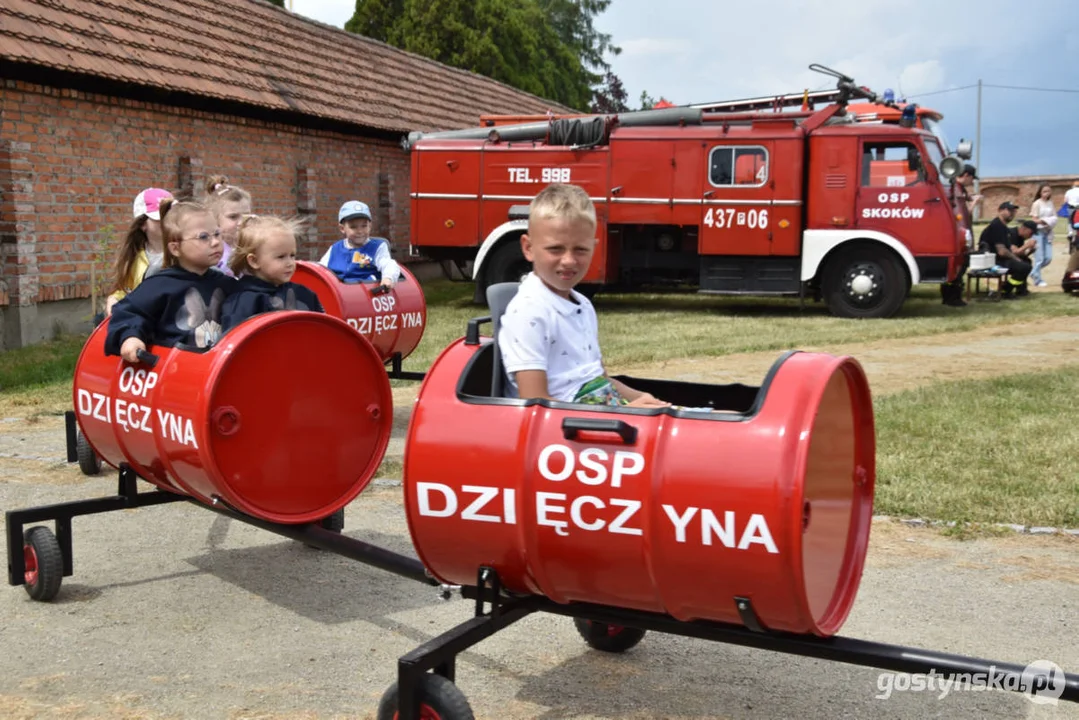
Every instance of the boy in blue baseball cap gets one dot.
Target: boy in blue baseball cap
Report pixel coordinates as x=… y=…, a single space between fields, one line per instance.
x=358 y=257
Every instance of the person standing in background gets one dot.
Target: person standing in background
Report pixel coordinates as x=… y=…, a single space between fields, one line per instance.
x=963 y=202
x=1044 y=216
x=1071 y=204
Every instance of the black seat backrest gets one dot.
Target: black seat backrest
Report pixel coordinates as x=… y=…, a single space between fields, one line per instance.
x=498 y=297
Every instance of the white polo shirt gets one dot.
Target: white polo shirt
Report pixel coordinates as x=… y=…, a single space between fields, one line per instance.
x=542 y=330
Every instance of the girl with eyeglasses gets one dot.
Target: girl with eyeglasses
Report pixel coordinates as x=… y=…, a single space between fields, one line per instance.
x=181 y=304
x=265 y=259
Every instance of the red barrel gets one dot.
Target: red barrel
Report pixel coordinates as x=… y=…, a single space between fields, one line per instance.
x=664 y=511
x=286 y=418
x=392 y=320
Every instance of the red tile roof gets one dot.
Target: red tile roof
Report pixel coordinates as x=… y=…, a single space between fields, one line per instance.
x=252 y=52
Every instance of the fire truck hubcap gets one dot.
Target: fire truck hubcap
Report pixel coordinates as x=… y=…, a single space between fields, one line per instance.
x=863 y=283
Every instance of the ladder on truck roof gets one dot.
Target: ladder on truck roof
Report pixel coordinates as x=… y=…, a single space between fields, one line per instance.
x=773 y=102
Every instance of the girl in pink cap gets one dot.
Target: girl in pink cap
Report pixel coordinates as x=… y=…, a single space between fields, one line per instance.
x=141 y=252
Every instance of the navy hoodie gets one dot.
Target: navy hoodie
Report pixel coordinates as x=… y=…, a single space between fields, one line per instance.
x=254 y=296
x=171 y=308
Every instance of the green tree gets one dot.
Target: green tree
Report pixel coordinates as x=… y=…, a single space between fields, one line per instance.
x=573 y=22
x=546 y=47
x=278 y=3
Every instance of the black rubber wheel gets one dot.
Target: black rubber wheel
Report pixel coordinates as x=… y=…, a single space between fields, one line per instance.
x=89 y=462
x=335 y=522
x=608 y=638
x=864 y=282
x=439 y=700
x=507 y=263
x=44 y=564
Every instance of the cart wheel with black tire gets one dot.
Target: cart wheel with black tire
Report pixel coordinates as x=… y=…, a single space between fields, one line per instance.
x=43 y=563
x=333 y=523
x=608 y=638
x=89 y=462
x=439 y=699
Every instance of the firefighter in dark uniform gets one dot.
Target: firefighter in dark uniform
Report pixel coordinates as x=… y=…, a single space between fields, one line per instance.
x=963 y=204
x=998 y=238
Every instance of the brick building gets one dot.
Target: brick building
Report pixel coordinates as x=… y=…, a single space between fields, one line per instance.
x=101 y=98
x=1021 y=190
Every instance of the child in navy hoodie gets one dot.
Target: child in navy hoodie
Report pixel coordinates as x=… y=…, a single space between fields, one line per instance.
x=358 y=257
x=181 y=304
x=264 y=260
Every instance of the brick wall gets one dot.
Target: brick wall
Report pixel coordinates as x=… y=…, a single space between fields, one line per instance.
x=71 y=164
x=1021 y=191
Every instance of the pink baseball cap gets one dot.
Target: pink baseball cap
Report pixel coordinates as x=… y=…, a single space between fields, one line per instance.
x=148 y=202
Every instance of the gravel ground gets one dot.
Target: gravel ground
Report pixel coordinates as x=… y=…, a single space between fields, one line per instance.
x=176 y=612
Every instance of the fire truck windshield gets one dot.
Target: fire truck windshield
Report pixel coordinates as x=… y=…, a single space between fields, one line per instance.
x=934 y=127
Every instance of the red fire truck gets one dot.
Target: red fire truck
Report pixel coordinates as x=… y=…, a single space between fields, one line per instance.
x=808 y=204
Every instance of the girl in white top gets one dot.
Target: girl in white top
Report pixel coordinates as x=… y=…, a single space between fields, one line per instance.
x=1045 y=215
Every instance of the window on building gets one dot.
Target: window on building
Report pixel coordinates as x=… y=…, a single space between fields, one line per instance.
x=738 y=166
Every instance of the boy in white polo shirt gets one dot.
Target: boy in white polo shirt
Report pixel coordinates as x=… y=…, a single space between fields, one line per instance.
x=549 y=337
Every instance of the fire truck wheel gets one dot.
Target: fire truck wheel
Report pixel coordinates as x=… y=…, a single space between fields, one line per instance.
x=864 y=282
x=43 y=562
x=439 y=700
x=89 y=462
x=507 y=263
x=608 y=638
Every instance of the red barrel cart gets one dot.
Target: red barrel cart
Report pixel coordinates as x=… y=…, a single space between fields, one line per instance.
x=746 y=524
x=392 y=319
x=255 y=427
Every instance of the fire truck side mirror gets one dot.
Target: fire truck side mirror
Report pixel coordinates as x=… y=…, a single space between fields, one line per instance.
x=965 y=149
x=951 y=166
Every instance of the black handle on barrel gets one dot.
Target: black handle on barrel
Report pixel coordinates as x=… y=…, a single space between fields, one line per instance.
x=571 y=426
x=380 y=289
x=146 y=357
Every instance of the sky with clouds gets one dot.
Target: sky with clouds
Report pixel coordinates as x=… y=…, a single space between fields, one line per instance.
x=693 y=51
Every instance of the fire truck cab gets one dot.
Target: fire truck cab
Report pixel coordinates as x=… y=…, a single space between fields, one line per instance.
x=810 y=205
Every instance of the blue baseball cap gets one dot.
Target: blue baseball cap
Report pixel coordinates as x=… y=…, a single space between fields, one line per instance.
x=353 y=209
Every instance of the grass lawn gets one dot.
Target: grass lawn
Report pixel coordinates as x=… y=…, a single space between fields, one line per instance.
x=641 y=328
x=1001 y=451
x=41 y=364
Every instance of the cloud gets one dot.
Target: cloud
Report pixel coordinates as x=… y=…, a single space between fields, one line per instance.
x=921 y=77
x=651 y=47
x=703 y=50
x=331 y=12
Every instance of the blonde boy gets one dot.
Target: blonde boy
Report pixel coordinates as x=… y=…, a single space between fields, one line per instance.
x=549 y=337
